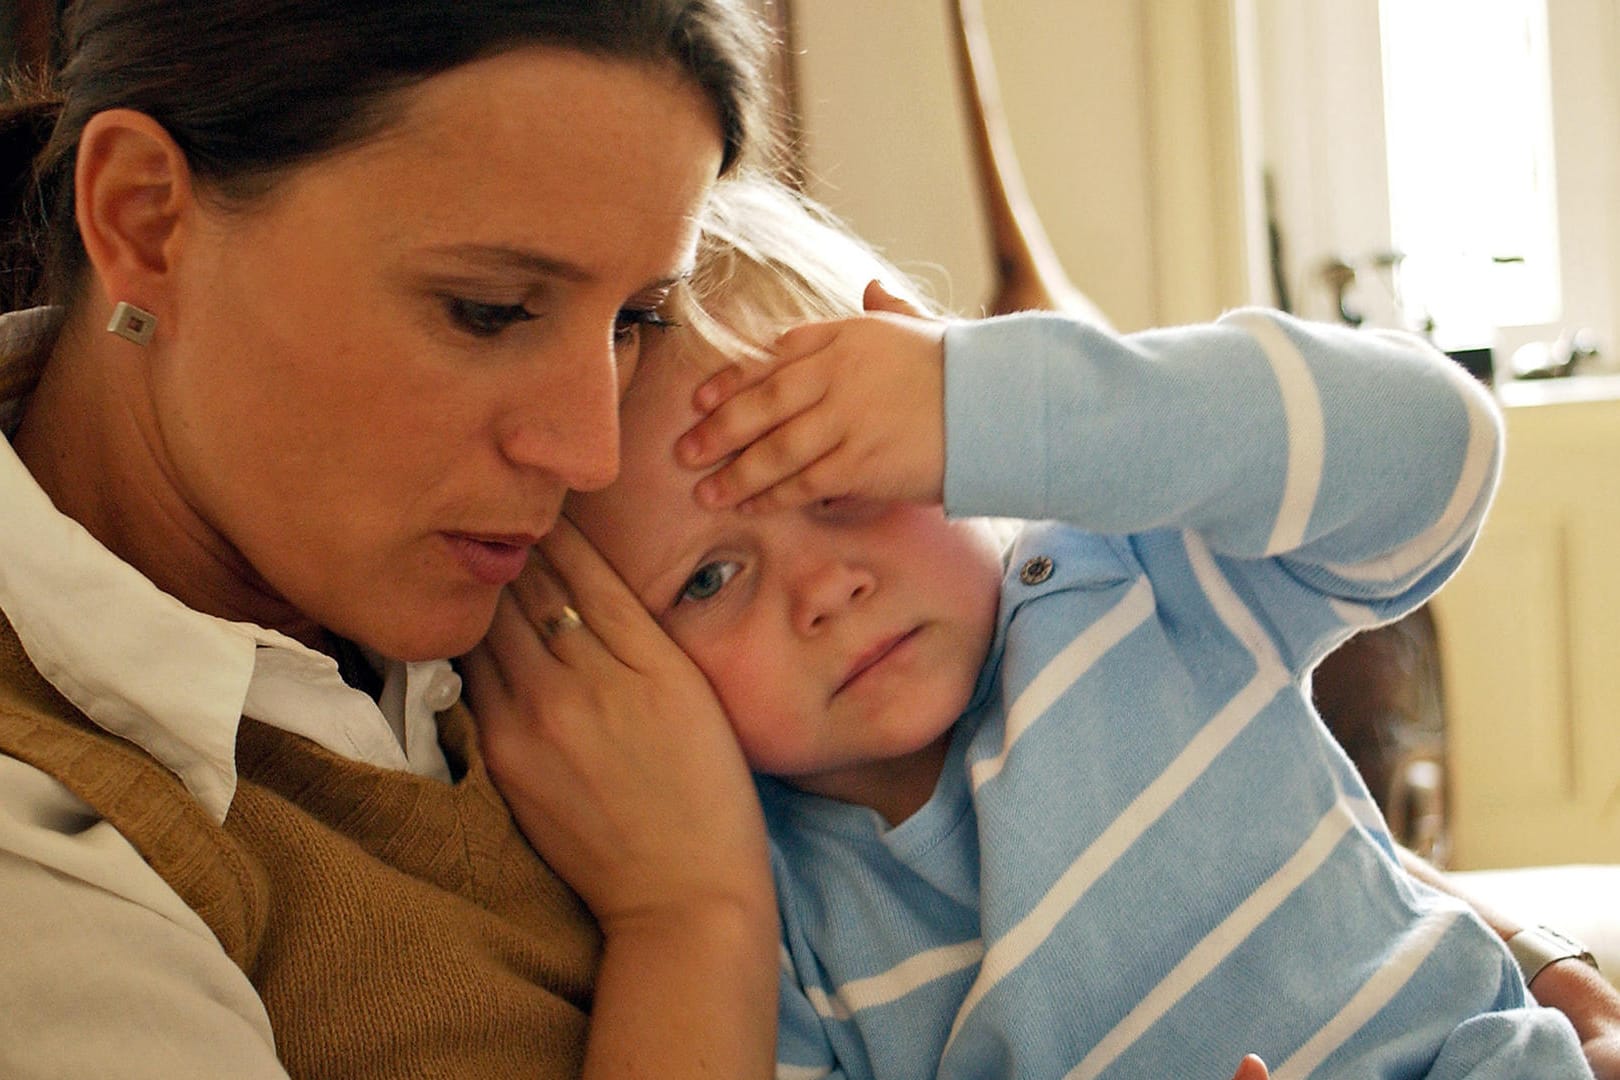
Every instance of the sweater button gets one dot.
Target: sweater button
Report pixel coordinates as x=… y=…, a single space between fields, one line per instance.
x=1035 y=570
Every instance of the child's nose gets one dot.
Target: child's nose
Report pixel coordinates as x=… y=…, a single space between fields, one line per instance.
x=827 y=589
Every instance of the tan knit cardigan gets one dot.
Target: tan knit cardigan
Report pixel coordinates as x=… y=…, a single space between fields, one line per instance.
x=394 y=926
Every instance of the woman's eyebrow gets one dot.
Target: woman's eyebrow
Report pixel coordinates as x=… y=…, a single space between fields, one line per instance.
x=500 y=257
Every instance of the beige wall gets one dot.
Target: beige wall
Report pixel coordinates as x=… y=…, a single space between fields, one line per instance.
x=1123 y=116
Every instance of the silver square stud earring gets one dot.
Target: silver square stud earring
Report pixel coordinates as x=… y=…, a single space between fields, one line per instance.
x=132 y=323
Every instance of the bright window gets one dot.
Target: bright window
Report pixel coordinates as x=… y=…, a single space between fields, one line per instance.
x=1468 y=128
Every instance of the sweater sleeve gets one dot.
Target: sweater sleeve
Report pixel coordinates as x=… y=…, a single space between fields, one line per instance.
x=1353 y=465
x=1499 y=1045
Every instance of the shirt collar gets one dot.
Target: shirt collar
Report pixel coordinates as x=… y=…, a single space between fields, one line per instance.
x=172 y=680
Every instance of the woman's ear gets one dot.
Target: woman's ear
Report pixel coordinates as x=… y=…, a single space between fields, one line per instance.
x=132 y=192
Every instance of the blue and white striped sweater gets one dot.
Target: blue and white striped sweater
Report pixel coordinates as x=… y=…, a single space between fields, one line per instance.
x=1146 y=856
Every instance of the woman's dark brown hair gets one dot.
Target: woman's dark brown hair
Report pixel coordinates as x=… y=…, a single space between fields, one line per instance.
x=250 y=90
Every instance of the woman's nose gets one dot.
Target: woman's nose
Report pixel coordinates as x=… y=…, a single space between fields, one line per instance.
x=564 y=419
x=827 y=588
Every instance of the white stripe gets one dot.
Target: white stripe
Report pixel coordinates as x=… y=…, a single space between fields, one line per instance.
x=825 y=1007
x=1216 y=946
x=785 y=1071
x=1364 y=811
x=1064 y=669
x=828 y=1008
x=1233 y=611
x=1441 y=539
x=1373 y=996
x=1302 y=413
x=1353 y=615
x=880 y=990
x=902 y=979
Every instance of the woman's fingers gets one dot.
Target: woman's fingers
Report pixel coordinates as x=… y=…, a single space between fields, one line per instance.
x=515 y=641
x=510 y=647
x=484 y=683
x=608 y=609
x=539 y=591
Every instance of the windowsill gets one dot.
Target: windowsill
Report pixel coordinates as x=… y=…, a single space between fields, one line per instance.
x=1575 y=389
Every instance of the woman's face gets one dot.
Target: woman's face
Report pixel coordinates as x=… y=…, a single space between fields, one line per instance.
x=386 y=374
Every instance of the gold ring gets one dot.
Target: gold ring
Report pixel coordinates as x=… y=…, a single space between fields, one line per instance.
x=552 y=625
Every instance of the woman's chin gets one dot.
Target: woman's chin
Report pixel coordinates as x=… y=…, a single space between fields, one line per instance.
x=447 y=631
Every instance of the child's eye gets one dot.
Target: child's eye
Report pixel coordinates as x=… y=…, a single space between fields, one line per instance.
x=485 y=320
x=709 y=579
x=630 y=321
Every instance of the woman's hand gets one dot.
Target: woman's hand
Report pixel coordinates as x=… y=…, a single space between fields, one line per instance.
x=1592 y=1005
x=621 y=769
x=853 y=407
x=609 y=745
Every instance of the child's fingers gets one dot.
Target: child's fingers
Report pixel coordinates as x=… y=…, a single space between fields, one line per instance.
x=878 y=298
x=740 y=375
x=769 y=462
x=1251 y=1068
x=801 y=341
x=725 y=384
x=750 y=415
x=826 y=477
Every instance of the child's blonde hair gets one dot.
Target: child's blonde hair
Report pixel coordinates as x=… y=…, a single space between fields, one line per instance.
x=769 y=258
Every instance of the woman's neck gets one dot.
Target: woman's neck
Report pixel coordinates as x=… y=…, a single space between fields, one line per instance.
x=88 y=439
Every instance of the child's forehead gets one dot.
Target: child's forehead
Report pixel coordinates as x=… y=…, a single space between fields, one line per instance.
x=679 y=358
x=669 y=365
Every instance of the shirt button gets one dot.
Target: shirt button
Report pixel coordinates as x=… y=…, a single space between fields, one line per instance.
x=443 y=691
x=1035 y=570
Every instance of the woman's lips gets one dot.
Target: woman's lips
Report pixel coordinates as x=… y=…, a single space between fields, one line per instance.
x=492 y=561
x=875 y=656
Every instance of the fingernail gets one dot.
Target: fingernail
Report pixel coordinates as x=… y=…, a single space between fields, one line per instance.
x=707 y=395
x=707 y=493
x=686 y=450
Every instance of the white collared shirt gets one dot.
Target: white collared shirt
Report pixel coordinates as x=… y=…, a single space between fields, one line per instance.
x=103 y=969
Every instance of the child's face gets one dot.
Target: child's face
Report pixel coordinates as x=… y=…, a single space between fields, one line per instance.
x=837 y=636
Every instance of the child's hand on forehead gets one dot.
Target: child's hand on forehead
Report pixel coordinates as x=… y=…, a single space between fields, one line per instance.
x=853 y=407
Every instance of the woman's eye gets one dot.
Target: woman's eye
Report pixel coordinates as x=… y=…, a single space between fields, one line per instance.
x=709 y=579
x=485 y=320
